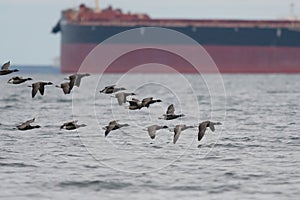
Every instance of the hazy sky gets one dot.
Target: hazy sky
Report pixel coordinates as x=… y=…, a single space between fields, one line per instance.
x=25 y=36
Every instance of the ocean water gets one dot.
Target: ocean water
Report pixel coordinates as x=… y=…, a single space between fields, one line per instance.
x=254 y=154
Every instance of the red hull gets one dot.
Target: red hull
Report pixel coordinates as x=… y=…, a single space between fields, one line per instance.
x=228 y=59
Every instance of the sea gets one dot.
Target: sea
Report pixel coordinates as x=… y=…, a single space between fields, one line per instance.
x=254 y=154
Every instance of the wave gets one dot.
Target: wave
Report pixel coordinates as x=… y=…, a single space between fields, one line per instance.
x=64 y=100
x=16 y=165
x=95 y=184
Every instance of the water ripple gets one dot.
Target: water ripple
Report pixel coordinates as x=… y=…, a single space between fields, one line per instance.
x=96 y=184
x=19 y=165
x=255 y=151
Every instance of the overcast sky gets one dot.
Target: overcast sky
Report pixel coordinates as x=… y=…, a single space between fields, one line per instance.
x=25 y=36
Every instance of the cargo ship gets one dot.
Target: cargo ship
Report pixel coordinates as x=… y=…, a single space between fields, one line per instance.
x=235 y=46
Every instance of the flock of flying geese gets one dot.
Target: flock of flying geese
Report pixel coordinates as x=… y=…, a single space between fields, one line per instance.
x=134 y=104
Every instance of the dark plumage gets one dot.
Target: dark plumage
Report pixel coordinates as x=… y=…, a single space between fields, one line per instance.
x=4 y=69
x=39 y=86
x=111 y=89
x=75 y=79
x=26 y=125
x=203 y=125
x=72 y=125
x=65 y=87
x=147 y=101
x=170 y=114
x=135 y=104
x=113 y=125
x=18 y=80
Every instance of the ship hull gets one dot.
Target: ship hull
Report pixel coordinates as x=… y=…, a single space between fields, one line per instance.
x=244 y=51
x=228 y=59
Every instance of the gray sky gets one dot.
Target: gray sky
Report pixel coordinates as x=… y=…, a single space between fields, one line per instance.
x=25 y=36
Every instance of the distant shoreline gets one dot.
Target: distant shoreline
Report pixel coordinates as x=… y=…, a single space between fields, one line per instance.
x=37 y=69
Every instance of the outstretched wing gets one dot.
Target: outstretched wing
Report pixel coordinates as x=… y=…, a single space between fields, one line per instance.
x=42 y=88
x=29 y=121
x=133 y=103
x=111 y=87
x=177 y=131
x=212 y=126
x=68 y=124
x=25 y=124
x=79 y=77
x=202 y=129
x=35 y=88
x=111 y=126
x=170 y=110
x=72 y=81
x=121 y=98
x=151 y=131
x=5 y=66
x=201 y=134
x=78 y=80
x=108 y=129
x=66 y=88
x=146 y=101
x=113 y=123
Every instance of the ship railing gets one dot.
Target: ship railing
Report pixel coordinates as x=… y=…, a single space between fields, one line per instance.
x=194 y=23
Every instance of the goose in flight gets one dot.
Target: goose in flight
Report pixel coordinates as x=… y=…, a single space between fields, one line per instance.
x=26 y=125
x=203 y=125
x=66 y=87
x=111 y=89
x=135 y=104
x=18 y=80
x=178 y=129
x=152 y=130
x=75 y=79
x=39 y=86
x=72 y=125
x=146 y=102
x=170 y=114
x=121 y=97
x=4 y=69
x=113 y=125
